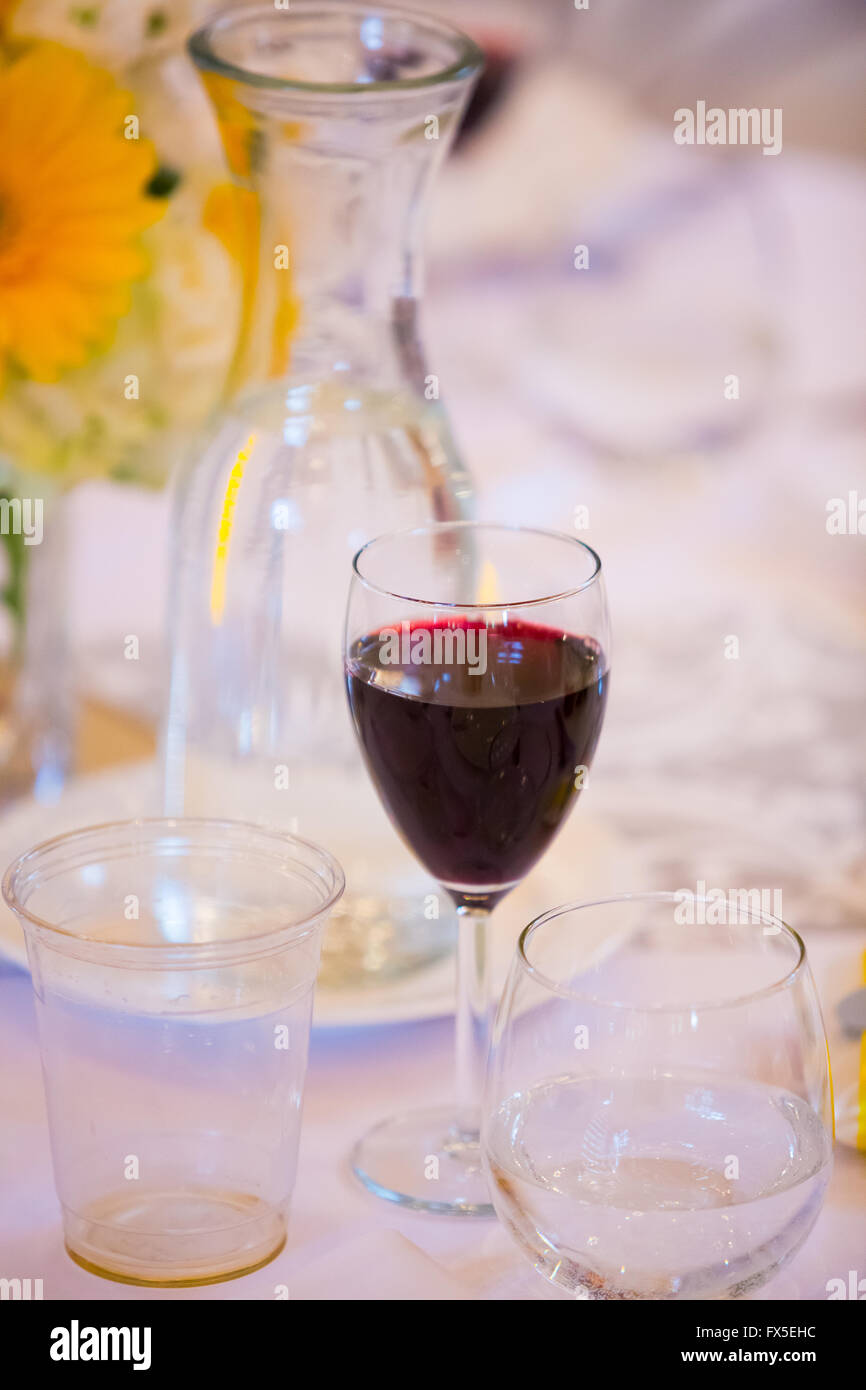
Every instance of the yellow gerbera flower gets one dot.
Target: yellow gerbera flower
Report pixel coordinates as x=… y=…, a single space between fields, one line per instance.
x=72 y=207
x=6 y=8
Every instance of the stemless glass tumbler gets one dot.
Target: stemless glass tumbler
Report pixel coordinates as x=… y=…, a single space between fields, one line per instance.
x=173 y=964
x=658 y=1108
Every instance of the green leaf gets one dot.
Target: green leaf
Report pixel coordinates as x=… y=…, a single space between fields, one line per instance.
x=85 y=15
x=14 y=591
x=164 y=182
x=156 y=23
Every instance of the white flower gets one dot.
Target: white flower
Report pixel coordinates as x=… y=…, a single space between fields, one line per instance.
x=112 y=32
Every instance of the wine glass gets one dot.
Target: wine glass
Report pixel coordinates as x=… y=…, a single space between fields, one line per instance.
x=658 y=1112
x=477 y=671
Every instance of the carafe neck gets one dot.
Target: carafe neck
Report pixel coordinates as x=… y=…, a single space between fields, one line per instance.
x=327 y=219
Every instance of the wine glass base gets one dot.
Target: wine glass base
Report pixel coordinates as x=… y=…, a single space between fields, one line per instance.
x=419 y=1161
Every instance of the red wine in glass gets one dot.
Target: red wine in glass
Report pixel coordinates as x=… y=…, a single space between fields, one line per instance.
x=478 y=769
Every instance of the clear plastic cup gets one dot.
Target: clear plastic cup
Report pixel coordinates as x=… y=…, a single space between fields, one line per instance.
x=174 y=963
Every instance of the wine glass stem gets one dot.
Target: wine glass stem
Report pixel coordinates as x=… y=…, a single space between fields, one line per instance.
x=473 y=1018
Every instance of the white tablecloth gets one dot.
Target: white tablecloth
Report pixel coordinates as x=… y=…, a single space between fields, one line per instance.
x=745 y=772
x=343 y=1242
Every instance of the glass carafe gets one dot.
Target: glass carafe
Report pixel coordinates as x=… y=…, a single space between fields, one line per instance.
x=334 y=120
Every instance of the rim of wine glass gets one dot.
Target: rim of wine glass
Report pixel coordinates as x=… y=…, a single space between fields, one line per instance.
x=732 y=1002
x=21 y=867
x=469 y=57
x=440 y=527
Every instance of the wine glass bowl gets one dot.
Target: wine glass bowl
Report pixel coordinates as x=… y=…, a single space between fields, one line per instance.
x=658 y=1114
x=479 y=760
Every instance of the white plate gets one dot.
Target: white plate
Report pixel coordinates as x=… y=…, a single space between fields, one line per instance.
x=588 y=859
